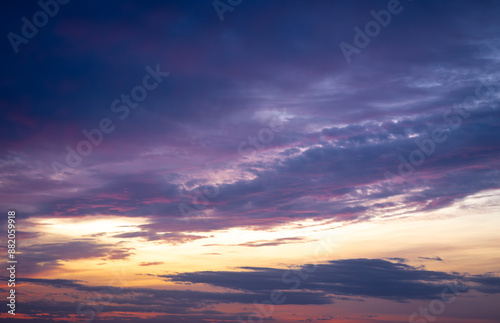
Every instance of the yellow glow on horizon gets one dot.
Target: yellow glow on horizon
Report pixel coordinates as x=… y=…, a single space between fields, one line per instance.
x=88 y=225
x=464 y=235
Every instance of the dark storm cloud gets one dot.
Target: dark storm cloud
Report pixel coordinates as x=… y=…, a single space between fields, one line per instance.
x=181 y=298
x=487 y=283
x=307 y=284
x=327 y=170
x=353 y=277
x=350 y=277
x=42 y=257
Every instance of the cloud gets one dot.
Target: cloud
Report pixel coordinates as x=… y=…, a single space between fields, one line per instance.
x=433 y=258
x=42 y=257
x=266 y=243
x=346 y=124
x=375 y=278
x=167 y=237
x=153 y=263
x=303 y=285
x=166 y=301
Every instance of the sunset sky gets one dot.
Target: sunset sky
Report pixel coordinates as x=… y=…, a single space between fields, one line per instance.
x=252 y=161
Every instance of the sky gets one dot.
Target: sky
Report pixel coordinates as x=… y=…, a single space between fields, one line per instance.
x=251 y=161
